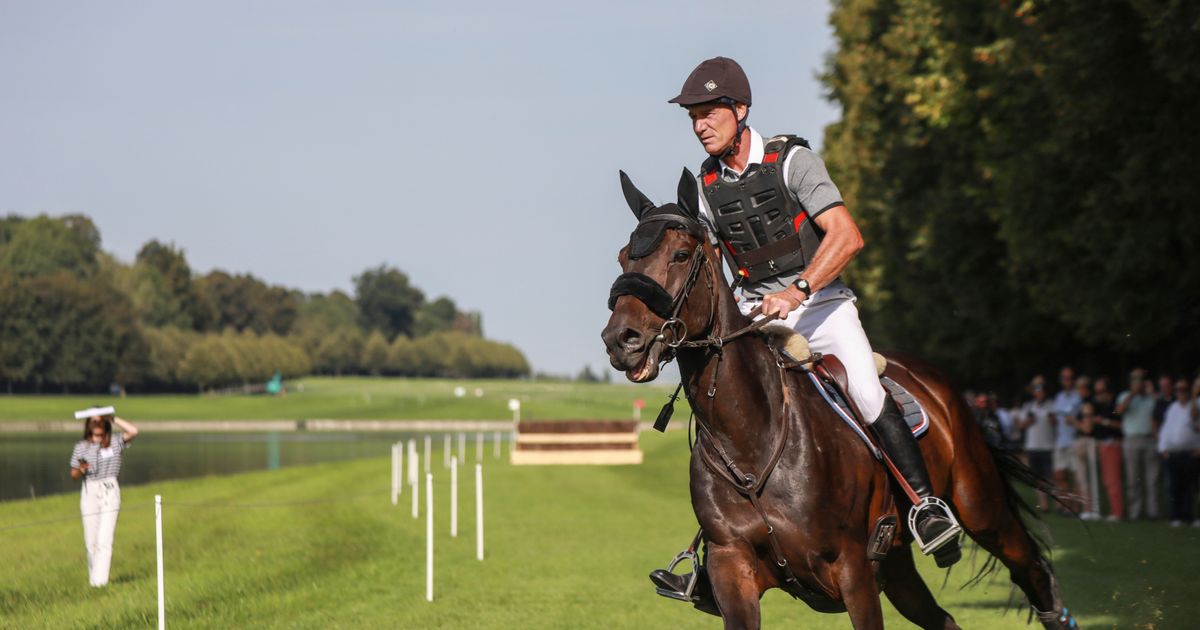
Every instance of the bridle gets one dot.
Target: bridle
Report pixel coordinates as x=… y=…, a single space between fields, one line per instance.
x=673 y=332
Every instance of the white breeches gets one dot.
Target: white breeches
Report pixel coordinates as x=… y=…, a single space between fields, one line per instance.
x=100 y=503
x=829 y=320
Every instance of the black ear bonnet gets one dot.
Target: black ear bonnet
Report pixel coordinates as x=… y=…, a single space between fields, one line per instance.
x=647 y=236
x=653 y=223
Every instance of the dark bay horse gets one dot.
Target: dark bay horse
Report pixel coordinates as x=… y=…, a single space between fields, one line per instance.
x=824 y=494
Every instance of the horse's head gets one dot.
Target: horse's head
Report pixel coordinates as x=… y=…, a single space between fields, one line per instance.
x=656 y=302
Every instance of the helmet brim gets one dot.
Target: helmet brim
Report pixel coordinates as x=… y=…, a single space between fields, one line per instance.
x=687 y=100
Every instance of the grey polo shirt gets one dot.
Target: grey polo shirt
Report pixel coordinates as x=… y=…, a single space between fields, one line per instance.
x=809 y=183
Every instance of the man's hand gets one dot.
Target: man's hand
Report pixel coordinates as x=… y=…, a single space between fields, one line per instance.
x=84 y=466
x=783 y=302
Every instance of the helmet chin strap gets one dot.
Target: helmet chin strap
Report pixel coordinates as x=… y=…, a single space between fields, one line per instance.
x=741 y=128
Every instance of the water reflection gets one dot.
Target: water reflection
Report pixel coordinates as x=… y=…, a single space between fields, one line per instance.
x=36 y=464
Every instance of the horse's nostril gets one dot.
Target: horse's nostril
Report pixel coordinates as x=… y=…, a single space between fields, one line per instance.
x=631 y=338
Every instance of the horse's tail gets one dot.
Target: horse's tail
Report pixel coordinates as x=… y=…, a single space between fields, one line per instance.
x=1012 y=472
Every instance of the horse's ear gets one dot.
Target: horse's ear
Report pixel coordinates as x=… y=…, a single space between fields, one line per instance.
x=634 y=197
x=689 y=194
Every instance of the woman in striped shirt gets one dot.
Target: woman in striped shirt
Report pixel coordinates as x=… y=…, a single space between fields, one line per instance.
x=97 y=460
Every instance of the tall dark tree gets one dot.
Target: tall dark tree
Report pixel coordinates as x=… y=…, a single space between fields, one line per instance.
x=244 y=302
x=90 y=334
x=1008 y=165
x=44 y=245
x=439 y=314
x=386 y=301
x=165 y=293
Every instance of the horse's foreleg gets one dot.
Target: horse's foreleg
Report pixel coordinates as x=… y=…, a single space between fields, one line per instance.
x=909 y=594
x=859 y=592
x=733 y=572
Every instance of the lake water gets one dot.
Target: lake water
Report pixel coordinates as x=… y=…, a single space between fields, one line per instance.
x=37 y=464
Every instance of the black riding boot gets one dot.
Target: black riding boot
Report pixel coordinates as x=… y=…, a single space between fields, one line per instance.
x=936 y=530
x=702 y=596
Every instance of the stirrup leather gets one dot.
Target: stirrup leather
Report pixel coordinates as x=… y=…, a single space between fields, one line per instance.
x=955 y=530
x=686 y=594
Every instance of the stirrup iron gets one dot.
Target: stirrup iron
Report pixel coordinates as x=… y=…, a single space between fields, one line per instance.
x=686 y=594
x=955 y=530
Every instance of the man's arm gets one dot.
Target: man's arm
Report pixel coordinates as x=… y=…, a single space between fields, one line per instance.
x=809 y=181
x=841 y=243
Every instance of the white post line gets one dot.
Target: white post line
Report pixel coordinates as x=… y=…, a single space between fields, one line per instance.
x=412 y=475
x=496 y=446
x=445 y=450
x=462 y=448
x=428 y=537
x=412 y=462
x=399 y=446
x=162 y=599
x=479 y=511
x=395 y=474
x=427 y=454
x=454 y=498
x=478 y=447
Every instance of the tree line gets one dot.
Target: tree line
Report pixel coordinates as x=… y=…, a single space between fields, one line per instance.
x=74 y=317
x=1023 y=172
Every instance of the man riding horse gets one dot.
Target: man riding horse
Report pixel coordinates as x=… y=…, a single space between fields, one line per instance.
x=779 y=217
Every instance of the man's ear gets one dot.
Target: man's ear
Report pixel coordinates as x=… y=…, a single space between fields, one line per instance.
x=740 y=111
x=634 y=197
x=689 y=194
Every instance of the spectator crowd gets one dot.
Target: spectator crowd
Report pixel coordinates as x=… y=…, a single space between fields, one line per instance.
x=1112 y=456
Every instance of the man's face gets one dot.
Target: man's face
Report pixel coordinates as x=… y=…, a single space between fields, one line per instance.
x=714 y=125
x=1066 y=378
x=1164 y=386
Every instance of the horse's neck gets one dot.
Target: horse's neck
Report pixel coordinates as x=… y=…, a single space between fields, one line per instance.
x=746 y=406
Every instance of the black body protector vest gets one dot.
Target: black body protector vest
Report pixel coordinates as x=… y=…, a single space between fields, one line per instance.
x=763 y=227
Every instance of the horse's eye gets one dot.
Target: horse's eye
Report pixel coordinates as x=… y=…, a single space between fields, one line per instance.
x=681 y=255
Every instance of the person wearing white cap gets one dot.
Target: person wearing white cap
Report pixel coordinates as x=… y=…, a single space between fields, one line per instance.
x=96 y=459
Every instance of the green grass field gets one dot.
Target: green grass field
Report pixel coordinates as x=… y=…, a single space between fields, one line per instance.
x=568 y=547
x=353 y=398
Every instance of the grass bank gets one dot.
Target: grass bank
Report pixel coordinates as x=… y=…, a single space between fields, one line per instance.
x=361 y=398
x=567 y=548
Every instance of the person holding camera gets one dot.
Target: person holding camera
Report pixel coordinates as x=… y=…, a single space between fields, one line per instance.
x=96 y=459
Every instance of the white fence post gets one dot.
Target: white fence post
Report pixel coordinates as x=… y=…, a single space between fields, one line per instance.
x=454 y=498
x=445 y=450
x=412 y=462
x=428 y=537
x=412 y=475
x=158 y=543
x=478 y=447
x=395 y=473
x=427 y=453
x=462 y=448
x=479 y=511
x=496 y=446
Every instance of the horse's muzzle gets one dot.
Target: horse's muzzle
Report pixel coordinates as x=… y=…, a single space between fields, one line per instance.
x=632 y=351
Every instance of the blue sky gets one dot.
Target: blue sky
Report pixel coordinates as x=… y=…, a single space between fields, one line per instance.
x=474 y=145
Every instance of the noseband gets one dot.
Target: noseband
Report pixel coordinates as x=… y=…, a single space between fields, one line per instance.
x=673 y=331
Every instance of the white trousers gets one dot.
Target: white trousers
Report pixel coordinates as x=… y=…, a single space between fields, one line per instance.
x=100 y=504
x=829 y=320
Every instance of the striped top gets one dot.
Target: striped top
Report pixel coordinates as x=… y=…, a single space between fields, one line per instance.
x=104 y=463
